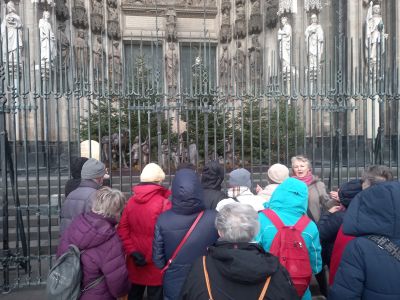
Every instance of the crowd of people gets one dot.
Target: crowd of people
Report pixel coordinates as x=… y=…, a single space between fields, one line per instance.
x=196 y=240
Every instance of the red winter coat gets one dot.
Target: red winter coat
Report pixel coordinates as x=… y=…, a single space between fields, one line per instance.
x=340 y=244
x=136 y=229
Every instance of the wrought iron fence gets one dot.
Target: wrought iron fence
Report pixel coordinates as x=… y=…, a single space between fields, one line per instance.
x=343 y=114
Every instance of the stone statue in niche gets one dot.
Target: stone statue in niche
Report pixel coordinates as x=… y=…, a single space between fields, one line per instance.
x=255 y=22
x=224 y=68
x=81 y=53
x=375 y=35
x=240 y=22
x=135 y=151
x=239 y=61
x=314 y=36
x=115 y=63
x=98 y=59
x=48 y=49
x=11 y=35
x=146 y=151
x=255 y=57
x=285 y=44
x=63 y=45
x=171 y=68
x=193 y=152
x=171 y=25
x=164 y=154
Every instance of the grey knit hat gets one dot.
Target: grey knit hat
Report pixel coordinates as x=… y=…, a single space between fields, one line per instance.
x=93 y=169
x=240 y=177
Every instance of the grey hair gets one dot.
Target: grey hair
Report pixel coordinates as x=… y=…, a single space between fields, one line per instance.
x=109 y=202
x=237 y=222
x=301 y=158
x=376 y=174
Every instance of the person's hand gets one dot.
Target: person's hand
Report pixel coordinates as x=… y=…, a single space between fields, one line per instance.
x=258 y=188
x=138 y=259
x=334 y=195
x=335 y=209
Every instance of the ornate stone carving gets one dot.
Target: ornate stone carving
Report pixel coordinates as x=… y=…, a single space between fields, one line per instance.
x=62 y=12
x=375 y=35
x=312 y=5
x=240 y=22
x=224 y=68
x=314 y=36
x=255 y=22
x=255 y=59
x=97 y=19
x=226 y=29
x=171 y=68
x=48 y=49
x=79 y=15
x=239 y=61
x=285 y=44
x=171 y=25
x=271 y=14
x=287 y=7
x=113 y=3
x=11 y=34
x=63 y=46
x=113 y=27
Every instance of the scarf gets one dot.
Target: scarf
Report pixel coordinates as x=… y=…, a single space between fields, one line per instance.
x=306 y=179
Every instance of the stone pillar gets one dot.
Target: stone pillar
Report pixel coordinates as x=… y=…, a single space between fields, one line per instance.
x=397 y=40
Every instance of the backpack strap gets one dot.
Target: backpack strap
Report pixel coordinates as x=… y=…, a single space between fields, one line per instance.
x=183 y=241
x=265 y=288
x=386 y=244
x=274 y=218
x=207 y=279
x=302 y=223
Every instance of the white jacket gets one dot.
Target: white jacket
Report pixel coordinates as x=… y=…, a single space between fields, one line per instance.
x=242 y=195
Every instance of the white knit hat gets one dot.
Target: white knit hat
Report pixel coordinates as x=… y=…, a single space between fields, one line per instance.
x=278 y=173
x=152 y=173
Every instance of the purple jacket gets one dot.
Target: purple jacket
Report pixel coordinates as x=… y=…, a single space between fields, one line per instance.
x=78 y=201
x=103 y=255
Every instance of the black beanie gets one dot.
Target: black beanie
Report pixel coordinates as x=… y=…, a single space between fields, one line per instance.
x=76 y=166
x=348 y=190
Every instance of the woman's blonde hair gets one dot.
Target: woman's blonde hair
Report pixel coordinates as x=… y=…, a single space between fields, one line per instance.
x=301 y=158
x=109 y=202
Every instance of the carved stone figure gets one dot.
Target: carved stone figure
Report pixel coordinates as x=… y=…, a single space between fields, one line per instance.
x=11 y=34
x=97 y=20
x=135 y=151
x=171 y=25
x=164 y=154
x=375 y=35
x=63 y=46
x=115 y=63
x=228 y=153
x=193 y=152
x=81 y=53
x=285 y=44
x=314 y=36
x=171 y=68
x=48 y=49
x=224 y=68
x=99 y=55
x=240 y=22
x=255 y=59
x=175 y=157
x=239 y=61
x=181 y=150
x=105 y=141
x=145 y=152
x=255 y=22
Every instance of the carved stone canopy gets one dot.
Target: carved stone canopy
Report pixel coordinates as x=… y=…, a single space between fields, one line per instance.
x=313 y=5
x=271 y=14
x=62 y=12
x=79 y=16
x=97 y=22
x=226 y=6
x=113 y=29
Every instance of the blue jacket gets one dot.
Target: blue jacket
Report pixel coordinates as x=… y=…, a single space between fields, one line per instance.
x=289 y=201
x=366 y=271
x=172 y=225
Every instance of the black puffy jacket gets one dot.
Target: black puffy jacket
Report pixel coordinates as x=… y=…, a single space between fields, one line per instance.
x=172 y=225
x=366 y=271
x=238 y=271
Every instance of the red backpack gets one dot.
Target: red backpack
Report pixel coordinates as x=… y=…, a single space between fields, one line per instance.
x=289 y=246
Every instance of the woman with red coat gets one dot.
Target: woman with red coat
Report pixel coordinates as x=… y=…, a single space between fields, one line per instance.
x=136 y=230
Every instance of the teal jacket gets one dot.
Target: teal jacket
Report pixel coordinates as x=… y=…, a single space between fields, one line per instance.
x=289 y=201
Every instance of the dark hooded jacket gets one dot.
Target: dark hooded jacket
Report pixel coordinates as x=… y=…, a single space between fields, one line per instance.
x=211 y=180
x=329 y=223
x=238 y=271
x=366 y=271
x=172 y=225
x=103 y=255
x=76 y=168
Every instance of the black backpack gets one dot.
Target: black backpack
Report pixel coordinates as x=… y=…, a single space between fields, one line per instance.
x=64 y=280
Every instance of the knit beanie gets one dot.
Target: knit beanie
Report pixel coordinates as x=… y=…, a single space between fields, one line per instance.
x=93 y=169
x=152 y=173
x=348 y=190
x=240 y=177
x=277 y=173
